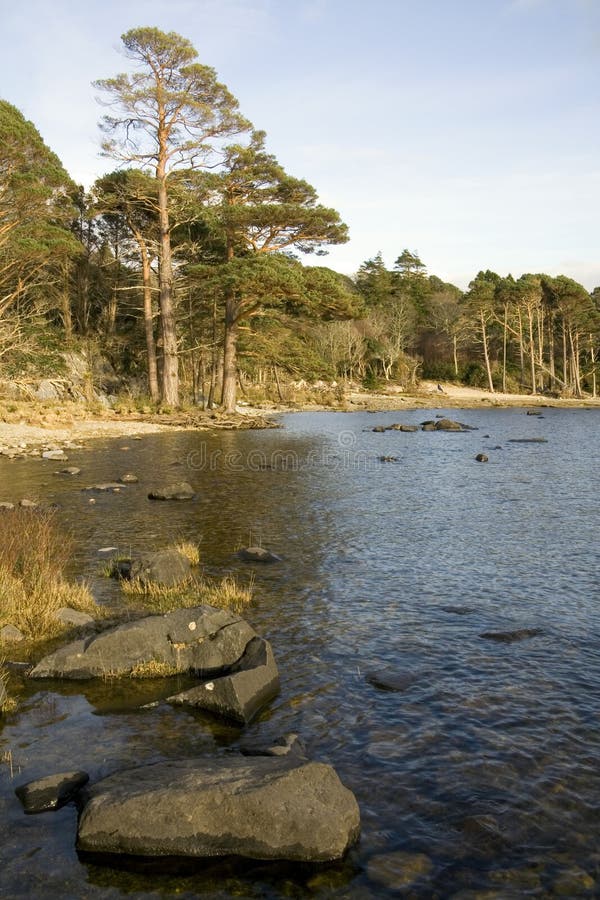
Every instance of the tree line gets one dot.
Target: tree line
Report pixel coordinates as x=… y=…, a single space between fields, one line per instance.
x=183 y=260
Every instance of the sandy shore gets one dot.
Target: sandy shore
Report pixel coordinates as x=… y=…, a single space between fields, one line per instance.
x=40 y=426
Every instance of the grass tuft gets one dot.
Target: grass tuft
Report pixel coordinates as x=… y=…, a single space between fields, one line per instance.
x=34 y=552
x=224 y=593
x=190 y=550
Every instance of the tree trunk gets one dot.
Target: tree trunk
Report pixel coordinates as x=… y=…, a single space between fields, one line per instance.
x=149 y=327
x=170 y=366
x=486 y=355
x=228 y=396
x=504 y=347
x=531 y=349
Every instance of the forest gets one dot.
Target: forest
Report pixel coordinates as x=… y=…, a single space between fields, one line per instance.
x=182 y=265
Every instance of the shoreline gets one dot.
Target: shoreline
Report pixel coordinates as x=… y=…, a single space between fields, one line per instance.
x=36 y=425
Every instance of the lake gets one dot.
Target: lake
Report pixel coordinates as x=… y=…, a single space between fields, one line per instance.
x=477 y=585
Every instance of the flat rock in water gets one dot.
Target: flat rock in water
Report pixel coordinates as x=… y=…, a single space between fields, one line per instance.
x=258 y=554
x=259 y=807
x=243 y=692
x=509 y=637
x=51 y=792
x=200 y=639
x=389 y=680
x=179 y=491
x=104 y=487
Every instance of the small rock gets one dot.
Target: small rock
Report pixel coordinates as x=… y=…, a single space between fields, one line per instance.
x=289 y=744
x=11 y=633
x=28 y=504
x=534 y=412
x=258 y=554
x=531 y=440
x=54 y=454
x=104 y=487
x=51 y=792
x=481 y=457
x=6 y=505
x=69 y=616
x=387 y=458
x=69 y=470
x=129 y=478
x=180 y=491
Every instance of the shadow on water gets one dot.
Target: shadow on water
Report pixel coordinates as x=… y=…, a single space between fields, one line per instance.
x=479 y=770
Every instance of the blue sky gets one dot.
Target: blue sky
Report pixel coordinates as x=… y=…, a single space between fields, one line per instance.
x=465 y=130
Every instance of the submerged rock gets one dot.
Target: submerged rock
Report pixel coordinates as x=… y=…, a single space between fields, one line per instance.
x=509 y=637
x=258 y=554
x=390 y=680
x=51 y=792
x=105 y=487
x=260 y=807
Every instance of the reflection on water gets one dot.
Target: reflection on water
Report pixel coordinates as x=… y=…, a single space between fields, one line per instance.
x=483 y=773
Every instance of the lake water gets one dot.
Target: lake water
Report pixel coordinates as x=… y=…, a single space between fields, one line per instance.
x=482 y=777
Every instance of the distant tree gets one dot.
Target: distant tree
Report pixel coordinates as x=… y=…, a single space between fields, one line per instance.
x=169 y=114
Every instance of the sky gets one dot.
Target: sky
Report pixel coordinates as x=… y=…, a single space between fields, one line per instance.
x=467 y=131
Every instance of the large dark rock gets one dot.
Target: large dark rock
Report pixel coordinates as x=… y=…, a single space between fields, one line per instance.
x=242 y=693
x=51 y=792
x=179 y=491
x=259 y=807
x=202 y=639
x=166 y=567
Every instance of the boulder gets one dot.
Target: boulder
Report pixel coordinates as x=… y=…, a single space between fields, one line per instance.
x=259 y=807
x=179 y=491
x=202 y=639
x=241 y=694
x=166 y=567
x=51 y=792
x=258 y=554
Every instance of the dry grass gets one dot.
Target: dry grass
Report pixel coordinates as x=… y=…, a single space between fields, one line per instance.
x=224 y=593
x=153 y=669
x=7 y=704
x=33 y=554
x=190 y=550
